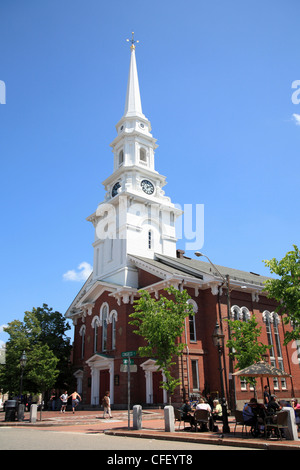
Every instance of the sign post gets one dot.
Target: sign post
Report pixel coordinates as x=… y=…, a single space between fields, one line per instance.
x=128 y=355
x=128 y=392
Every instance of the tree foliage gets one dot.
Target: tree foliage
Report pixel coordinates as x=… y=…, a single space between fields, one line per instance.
x=244 y=345
x=161 y=323
x=286 y=290
x=42 y=336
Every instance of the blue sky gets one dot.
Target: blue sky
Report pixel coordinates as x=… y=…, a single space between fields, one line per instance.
x=216 y=83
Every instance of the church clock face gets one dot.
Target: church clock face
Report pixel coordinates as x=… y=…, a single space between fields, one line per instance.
x=147 y=187
x=115 y=189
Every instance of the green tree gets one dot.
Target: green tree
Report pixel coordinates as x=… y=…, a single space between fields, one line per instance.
x=286 y=290
x=244 y=344
x=10 y=372
x=161 y=324
x=53 y=333
x=41 y=370
x=41 y=336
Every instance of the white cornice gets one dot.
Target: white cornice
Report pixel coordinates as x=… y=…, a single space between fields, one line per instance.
x=131 y=168
x=134 y=133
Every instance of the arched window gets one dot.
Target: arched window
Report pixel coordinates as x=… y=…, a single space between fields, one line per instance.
x=104 y=320
x=267 y=320
x=192 y=321
x=172 y=219
x=245 y=314
x=95 y=325
x=143 y=155
x=240 y=313
x=235 y=312
x=272 y=321
x=82 y=334
x=121 y=157
x=113 y=317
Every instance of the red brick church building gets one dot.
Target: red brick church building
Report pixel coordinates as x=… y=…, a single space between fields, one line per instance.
x=135 y=248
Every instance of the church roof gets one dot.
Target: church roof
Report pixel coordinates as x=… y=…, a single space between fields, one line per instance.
x=202 y=267
x=157 y=264
x=202 y=270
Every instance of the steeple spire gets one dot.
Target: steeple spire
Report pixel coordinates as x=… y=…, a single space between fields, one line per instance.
x=133 y=105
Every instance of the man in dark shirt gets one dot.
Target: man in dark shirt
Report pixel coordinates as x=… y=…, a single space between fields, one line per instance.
x=185 y=412
x=273 y=406
x=266 y=395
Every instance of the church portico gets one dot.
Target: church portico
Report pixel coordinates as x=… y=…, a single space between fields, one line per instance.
x=153 y=392
x=100 y=383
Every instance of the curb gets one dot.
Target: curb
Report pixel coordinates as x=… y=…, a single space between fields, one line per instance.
x=224 y=441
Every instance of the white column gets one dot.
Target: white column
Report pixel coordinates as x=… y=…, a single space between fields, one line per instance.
x=111 y=381
x=149 y=387
x=95 y=386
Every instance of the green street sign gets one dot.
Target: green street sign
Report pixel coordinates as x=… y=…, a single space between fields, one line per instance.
x=125 y=361
x=128 y=354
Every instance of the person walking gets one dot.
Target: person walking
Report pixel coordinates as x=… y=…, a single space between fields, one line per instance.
x=76 y=398
x=64 y=398
x=106 y=405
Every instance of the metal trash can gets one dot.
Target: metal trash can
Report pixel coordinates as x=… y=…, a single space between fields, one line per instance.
x=10 y=410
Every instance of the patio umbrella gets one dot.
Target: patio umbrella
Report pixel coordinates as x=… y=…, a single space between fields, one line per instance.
x=261 y=369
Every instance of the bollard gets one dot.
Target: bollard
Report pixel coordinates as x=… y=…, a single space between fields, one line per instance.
x=21 y=410
x=137 y=417
x=169 y=419
x=33 y=413
x=292 y=432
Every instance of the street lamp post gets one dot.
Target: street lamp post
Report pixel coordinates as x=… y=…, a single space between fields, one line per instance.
x=218 y=340
x=23 y=361
x=225 y=280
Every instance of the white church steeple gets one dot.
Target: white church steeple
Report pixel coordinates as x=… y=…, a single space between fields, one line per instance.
x=134 y=144
x=133 y=105
x=136 y=217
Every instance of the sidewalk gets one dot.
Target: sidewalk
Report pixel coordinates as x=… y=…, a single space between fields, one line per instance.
x=153 y=427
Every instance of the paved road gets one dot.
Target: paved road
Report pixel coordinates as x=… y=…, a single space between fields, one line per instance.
x=38 y=439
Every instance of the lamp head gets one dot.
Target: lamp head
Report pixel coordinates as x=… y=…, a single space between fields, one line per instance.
x=218 y=336
x=23 y=359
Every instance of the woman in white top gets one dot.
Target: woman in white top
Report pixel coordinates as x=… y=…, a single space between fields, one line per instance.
x=203 y=406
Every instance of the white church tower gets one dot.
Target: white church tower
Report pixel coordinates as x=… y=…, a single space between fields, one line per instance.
x=136 y=217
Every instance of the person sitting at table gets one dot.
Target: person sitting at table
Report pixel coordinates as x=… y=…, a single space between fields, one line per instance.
x=273 y=406
x=217 y=410
x=295 y=404
x=185 y=411
x=203 y=406
x=250 y=415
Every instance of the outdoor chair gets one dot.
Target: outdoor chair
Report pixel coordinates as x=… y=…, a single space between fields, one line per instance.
x=179 y=418
x=280 y=422
x=202 y=417
x=239 y=420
